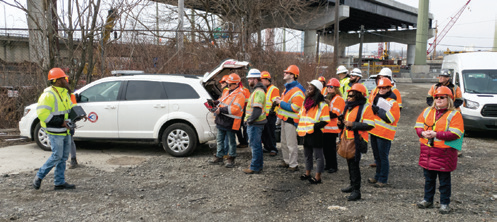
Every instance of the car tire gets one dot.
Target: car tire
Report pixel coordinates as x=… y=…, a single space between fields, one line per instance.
x=41 y=138
x=179 y=139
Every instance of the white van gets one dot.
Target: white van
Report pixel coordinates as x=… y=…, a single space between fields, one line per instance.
x=476 y=74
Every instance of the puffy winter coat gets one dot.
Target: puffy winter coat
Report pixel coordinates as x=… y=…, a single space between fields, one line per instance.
x=438 y=159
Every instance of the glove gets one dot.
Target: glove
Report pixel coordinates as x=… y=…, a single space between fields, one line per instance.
x=375 y=109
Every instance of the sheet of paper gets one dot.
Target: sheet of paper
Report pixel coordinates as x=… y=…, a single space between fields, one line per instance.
x=384 y=104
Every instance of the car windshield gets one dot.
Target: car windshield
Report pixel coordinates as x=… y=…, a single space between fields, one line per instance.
x=480 y=81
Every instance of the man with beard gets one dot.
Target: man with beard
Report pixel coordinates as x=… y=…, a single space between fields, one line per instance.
x=255 y=119
x=445 y=80
x=355 y=77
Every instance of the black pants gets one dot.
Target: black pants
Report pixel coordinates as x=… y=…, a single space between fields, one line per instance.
x=354 y=173
x=431 y=185
x=268 y=134
x=330 y=150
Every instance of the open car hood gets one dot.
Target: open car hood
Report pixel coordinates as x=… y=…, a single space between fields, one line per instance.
x=225 y=68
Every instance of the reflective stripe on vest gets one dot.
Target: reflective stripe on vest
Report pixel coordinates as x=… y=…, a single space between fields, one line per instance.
x=269 y=100
x=438 y=143
x=283 y=114
x=306 y=122
x=251 y=105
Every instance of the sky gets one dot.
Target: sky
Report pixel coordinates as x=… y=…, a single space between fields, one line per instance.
x=475 y=28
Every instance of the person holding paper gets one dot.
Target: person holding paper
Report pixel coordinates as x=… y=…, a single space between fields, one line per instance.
x=436 y=126
x=387 y=113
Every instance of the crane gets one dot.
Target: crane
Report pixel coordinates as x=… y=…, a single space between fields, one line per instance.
x=446 y=29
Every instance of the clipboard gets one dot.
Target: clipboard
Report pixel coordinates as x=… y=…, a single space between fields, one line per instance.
x=384 y=104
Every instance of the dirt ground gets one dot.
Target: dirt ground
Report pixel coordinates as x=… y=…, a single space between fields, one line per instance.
x=165 y=188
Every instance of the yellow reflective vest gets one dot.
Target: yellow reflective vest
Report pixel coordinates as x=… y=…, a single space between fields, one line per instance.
x=54 y=103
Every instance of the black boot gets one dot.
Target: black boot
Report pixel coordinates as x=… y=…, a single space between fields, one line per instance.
x=73 y=164
x=36 y=183
x=347 y=189
x=355 y=195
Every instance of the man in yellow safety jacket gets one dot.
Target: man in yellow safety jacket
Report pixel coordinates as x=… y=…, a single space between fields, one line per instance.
x=268 y=134
x=255 y=119
x=344 y=78
x=53 y=109
x=290 y=103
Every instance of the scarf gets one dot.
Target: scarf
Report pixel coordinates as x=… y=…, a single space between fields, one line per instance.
x=308 y=103
x=385 y=96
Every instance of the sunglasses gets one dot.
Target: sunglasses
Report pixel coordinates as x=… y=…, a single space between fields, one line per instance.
x=351 y=95
x=330 y=87
x=386 y=87
x=440 y=97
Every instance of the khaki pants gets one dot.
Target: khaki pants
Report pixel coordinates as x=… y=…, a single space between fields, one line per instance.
x=289 y=144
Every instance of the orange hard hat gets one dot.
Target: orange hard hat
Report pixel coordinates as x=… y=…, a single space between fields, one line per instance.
x=444 y=90
x=383 y=82
x=225 y=77
x=233 y=78
x=56 y=73
x=333 y=82
x=358 y=87
x=322 y=79
x=293 y=69
x=265 y=75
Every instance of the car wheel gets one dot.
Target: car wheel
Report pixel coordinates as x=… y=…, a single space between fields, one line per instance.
x=179 y=139
x=41 y=138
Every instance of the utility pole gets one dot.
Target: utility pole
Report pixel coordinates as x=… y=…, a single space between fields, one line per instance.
x=181 y=6
x=317 y=48
x=284 y=39
x=361 y=35
x=157 y=21
x=336 y=30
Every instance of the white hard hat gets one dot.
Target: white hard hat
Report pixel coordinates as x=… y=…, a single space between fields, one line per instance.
x=356 y=72
x=254 y=73
x=316 y=83
x=342 y=69
x=386 y=72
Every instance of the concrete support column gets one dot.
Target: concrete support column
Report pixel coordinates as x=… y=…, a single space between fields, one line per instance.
x=341 y=51
x=422 y=32
x=310 y=39
x=411 y=50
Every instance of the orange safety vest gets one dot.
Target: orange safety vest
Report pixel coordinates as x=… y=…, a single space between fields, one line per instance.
x=450 y=121
x=307 y=119
x=272 y=92
x=394 y=90
x=324 y=91
x=367 y=117
x=296 y=98
x=73 y=99
x=387 y=130
x=337 y=104
x=235 y=101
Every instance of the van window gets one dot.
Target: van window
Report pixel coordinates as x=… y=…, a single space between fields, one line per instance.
x=457 y=80
x=480 y=81
x=180 y=91
x=102 y=92
x=144 y=90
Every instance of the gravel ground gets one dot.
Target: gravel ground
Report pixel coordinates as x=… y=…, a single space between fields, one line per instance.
x=180 y=189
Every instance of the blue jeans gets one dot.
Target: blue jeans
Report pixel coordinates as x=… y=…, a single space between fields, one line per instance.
x=61 y=145
x=431 y=185
x=222 y=149
x=381 y=149
x=254 y=134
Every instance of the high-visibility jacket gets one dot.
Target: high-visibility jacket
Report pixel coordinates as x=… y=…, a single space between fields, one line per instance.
x=387 y=130
x=294 y=98
x=234 y=101
x=307 y=118
x=344 y=83
x=73 y=99
x=337 y=104
x=324 y=91
x=394 y=90
x=271 y=94
x=367 y=117
x=54 y=106
x=450 y=121
x=257 y=99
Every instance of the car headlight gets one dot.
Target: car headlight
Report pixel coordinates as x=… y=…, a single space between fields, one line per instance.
x=471 y=104
x=26 y=111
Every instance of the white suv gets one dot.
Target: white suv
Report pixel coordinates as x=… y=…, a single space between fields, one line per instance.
x=171 y=110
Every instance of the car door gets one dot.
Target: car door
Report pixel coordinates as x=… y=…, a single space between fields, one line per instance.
x=143 y=104
x=101 y=106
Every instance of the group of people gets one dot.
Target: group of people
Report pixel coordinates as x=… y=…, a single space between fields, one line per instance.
x=340 y=108
x=320 y=114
